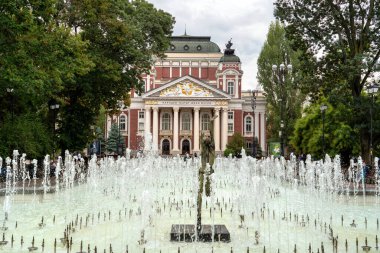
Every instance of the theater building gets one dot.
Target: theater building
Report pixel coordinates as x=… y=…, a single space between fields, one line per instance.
x=183 y=92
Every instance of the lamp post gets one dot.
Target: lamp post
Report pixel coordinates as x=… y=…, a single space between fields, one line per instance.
x=10 y=92
x=372 y=90
x=323 y=108
x=253 y=104
x=279 y=76
x=54 y=106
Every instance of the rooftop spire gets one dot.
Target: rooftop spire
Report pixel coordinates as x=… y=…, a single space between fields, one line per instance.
x=185 y=30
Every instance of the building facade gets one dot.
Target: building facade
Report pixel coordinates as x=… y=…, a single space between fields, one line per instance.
x=183 y=92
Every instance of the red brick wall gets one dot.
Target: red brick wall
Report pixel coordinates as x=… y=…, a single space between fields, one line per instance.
x=158 y=73
x=195 y=72
x=165 y=72
x=212 y=73
x=238 y=121
x=175 y=72
x=204 y=73
x=185 y=71
x=133 y=128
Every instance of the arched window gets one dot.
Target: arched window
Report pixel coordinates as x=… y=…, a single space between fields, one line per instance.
x=165 y=125
x=205 y=121
x=186 y=121
x=248 y=124
x=122 y=122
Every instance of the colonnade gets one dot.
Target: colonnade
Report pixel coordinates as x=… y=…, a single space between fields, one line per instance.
x=220 y=127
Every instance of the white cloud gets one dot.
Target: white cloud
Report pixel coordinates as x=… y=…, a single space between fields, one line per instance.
x=245 y=21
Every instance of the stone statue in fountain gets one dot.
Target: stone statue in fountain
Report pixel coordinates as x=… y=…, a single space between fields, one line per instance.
x=206 y=169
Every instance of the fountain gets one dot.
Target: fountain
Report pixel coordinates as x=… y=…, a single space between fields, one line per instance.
x=129 y=205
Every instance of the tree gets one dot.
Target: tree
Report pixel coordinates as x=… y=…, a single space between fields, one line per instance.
x=26 y=133
x=277 y=50
x=122 y=38
x=339 y=136
x=83 y=54
x=37 y=57
x=344 y=39
x=236 y=144
x=114 y=139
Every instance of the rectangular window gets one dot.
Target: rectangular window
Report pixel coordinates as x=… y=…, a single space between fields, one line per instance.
x=231 y=115
x=230 y=127
x=248 y=145
x=141 y=126
x=141 y=115
x=230 y=88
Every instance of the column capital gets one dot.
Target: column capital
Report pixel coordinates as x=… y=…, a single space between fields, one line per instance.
x=148 y=107
x=176 y=109
x=155 y=109
x=225 y=109
x=197 y=109
x=217 y=109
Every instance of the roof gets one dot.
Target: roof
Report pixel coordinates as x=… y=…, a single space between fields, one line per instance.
x=192 y=44
x=229 y=58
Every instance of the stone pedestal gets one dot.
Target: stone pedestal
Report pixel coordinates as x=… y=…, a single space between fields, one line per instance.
x=186 y=233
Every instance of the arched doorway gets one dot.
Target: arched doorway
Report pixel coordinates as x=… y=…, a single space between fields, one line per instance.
x=166 y=147
x=185 y=147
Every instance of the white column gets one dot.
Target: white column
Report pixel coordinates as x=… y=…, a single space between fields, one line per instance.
x=147 y=120
x=175 y=129
x=155 y=127
x=236 y=86
x=262 y=126
x=147 y=83
x=196 y=129
x=217 y=129
x=224 y=128
x=199 y=69
x=224 y=83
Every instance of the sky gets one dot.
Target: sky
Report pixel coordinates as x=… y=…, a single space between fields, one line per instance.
x=245 y=21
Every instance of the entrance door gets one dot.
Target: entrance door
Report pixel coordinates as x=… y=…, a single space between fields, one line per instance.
x=166 y=147
x=185 y=147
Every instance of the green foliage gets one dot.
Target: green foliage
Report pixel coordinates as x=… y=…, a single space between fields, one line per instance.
x=114 y=138
x=236 y=144
x=340 y=51
x=228 y=151
x=83 y=54
x=27 y=134
x=340 y=137
x=277 y=50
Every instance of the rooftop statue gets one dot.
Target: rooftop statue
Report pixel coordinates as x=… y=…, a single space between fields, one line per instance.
x=229 y=44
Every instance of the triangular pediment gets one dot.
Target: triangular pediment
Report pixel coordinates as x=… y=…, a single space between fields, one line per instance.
x=186 y=87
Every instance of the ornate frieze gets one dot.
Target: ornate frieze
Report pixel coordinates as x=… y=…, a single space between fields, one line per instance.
x=186 y=89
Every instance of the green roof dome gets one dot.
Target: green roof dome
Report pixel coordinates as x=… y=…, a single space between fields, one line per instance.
x=229 y=58
x=192 y=44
